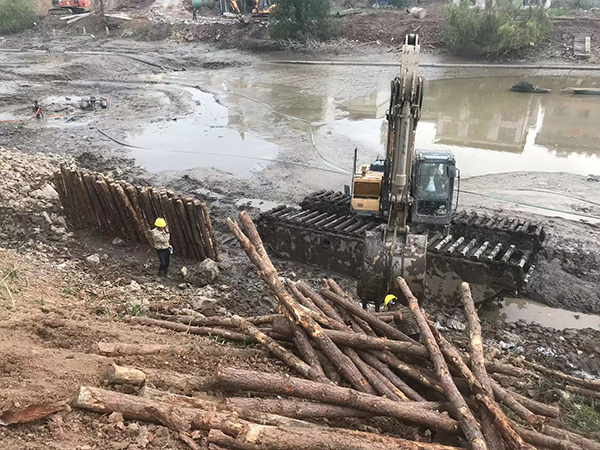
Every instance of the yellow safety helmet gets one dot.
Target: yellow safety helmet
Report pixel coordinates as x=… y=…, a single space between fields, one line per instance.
x=160 y=222
x=389 y=299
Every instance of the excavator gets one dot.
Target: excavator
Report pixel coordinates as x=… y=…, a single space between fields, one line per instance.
x=70 y=6
x=260 y=8
x=399 y=217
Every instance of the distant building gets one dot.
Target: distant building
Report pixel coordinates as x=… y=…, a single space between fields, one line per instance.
x=523 y=3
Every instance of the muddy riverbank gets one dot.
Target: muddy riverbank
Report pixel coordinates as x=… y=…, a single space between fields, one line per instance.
x=251 y=129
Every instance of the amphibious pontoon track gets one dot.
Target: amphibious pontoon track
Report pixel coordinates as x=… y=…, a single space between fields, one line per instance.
x=491 y=249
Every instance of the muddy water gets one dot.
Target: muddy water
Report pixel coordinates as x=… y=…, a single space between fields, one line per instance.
x=211 y=137
x=491 y=129
x=513 y=310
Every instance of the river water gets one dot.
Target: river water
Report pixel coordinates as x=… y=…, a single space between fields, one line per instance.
x=489 y=128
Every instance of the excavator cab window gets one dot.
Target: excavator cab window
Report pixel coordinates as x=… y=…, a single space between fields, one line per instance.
x=433 y=185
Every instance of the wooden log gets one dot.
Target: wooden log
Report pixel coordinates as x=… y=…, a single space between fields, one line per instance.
x=59 y=185
x=201 y=224
x=403 y=391
x=312 y=310
x=505 y=397
x=30 y=413
x=186 y=384
x=584 y=392
x=468 y=423
x=319 y=301
x=410 y=371
x=296 y=408
x=208 y=403
x=199 y=243
x=262 y=320
x=535 y=406
x=493 y=439
x=286 y=438
x=124 y=375
x=146 y=203
x=186 y=228
x=142 y=221
x=93 y=220
x=505 y=426
x=211 y=231
x=177 y=238
x=100 y=212
x=545 y=441
x=200 y=321
x=376 y=323
x=564 y=435
x=235 y=379
x=508 y=369
x=374 y=378
x=306 y=351
x=587 y=384
x=341 y=362
x=122 y=212
x=110 y=208
x=71 y=198
x=182 y=328
x=364 y=326
x=124 y=349
x=330 y=372
x=278 y=351
x=138 y=408
x=138 y=223
x=364 y=342
x=84 y=206
x=156 y=200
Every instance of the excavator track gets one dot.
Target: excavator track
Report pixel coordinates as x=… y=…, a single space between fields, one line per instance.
x=494 y=250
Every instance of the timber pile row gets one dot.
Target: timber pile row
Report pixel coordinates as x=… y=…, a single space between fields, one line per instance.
x=351 y=364
x=91 y=200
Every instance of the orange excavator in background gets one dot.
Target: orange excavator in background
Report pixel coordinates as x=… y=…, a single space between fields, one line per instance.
x=70 y=6
x=260 y=8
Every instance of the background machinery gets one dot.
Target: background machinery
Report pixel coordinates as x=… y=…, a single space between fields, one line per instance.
x=399 y=218
x=70 y=6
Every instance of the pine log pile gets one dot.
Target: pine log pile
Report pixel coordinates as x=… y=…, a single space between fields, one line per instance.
x=119 y=209
x=344 y=363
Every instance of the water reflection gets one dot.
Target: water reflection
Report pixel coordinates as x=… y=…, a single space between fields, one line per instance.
x=554 y=132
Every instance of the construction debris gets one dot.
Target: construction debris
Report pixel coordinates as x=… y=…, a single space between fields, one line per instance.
x=92 y=200
x=353 y=363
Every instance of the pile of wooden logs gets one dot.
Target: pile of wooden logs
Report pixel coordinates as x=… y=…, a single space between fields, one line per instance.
x=350 y=363
x=91 y=200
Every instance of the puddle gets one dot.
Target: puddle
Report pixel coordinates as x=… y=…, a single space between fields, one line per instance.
x=262 y=205
x=513 y=310
x=491 y=129
x=210 y=137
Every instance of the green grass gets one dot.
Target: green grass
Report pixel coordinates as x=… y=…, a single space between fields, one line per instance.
x=72 y=290
x=16 y=15
x=13 y=274
x=583 y=416
x=136 y=309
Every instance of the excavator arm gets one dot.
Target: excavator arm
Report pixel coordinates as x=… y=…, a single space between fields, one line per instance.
x=403 y=116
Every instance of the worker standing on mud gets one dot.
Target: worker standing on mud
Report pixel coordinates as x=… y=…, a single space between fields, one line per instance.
x=37 y=110
x=161 y=238
x=403 y=318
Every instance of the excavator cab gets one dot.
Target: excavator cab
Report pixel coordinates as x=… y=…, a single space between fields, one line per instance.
x=433 y=187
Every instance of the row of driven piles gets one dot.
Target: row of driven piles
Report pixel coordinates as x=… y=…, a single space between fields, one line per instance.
x=349 y=363
x=117 y=208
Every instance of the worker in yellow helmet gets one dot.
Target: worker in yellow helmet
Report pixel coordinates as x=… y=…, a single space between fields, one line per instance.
x=161 y=238
x=403 y=318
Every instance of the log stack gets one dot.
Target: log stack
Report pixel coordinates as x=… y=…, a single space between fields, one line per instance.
x=119 y=209
x=346 y=363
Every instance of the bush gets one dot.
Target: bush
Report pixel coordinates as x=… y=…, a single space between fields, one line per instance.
x=16 y=15
x=301 y=19
x=503 y=28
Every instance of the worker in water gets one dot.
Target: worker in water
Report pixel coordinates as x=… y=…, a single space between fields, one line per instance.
x=161 y=238
x=37 y=110
x=403 y=318
x=195 y=14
